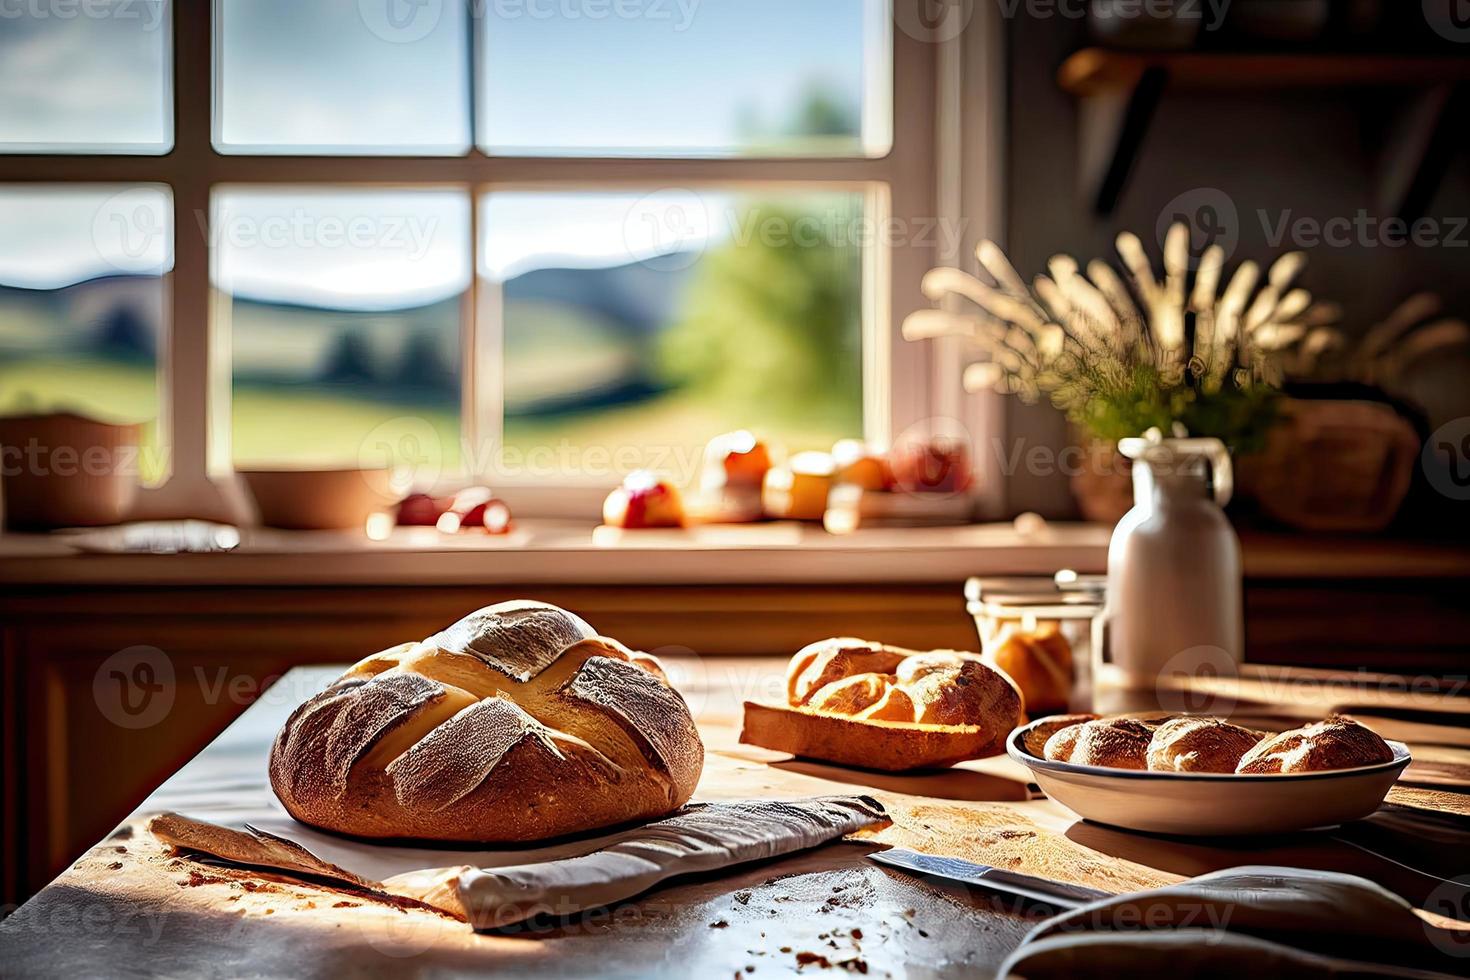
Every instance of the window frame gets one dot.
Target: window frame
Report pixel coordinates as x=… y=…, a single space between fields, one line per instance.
x=901 y=379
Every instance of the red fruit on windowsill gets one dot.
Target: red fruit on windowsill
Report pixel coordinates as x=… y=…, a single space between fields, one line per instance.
x=475 y=509
x=937 y=465
x=420 y=510
x=643 y=501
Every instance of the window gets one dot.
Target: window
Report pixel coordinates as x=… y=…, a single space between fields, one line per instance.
x=727 y=78
x=85 y=77
x=82 y=302
x=342 y=307
x=655 y=318
x=475 y=225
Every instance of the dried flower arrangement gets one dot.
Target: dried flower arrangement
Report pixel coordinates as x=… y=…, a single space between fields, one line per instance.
x=1415 y=330
x=1119 y=360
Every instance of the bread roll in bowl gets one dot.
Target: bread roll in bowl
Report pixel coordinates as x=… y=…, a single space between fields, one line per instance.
x=1118 y=743
x=1199 y=745
x=1039 y=734
x=1337 y=743
x=517 y=723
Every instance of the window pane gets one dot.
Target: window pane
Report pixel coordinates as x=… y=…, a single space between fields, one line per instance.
x=342 y=76
x=82 y=303
x=87 y=77
x=708 y=77
x=344 y=310
x=641 y=324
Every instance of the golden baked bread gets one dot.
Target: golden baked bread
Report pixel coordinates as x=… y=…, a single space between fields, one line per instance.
x=1199 y=745
x=1038 y=734
x=847 y=676
x=892 y=746
x=883 y=707
x=1118 y=743
x=1337 y=743
x=1039 y=661
x=517 y=723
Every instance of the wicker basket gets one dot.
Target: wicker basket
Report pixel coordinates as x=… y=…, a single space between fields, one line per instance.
x=1333 y=466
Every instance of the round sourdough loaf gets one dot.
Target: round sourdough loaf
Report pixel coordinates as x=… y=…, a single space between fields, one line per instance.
x=517 y=723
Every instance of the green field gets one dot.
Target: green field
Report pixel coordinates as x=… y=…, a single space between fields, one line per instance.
x=272 y=425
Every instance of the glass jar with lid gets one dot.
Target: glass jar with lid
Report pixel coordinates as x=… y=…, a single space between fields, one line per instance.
x=1040 y=631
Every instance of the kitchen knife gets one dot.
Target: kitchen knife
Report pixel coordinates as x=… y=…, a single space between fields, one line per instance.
x=1055 y=893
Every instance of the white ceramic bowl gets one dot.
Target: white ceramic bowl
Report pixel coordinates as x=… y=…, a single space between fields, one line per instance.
x=1197 y=804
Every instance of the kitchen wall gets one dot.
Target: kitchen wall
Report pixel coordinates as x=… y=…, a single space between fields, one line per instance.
x=1309 y=153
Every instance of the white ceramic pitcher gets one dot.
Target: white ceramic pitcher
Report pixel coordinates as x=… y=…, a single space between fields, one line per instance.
x=1174 y=581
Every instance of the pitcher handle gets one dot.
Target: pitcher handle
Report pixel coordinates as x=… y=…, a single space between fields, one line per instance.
x=1222 y=471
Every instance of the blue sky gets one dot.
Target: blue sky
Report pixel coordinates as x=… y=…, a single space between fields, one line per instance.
x=569 y=76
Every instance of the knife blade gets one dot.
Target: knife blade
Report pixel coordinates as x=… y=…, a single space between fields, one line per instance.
x=1055 y=893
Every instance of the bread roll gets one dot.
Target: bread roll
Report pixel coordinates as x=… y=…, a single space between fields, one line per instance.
x=1118 y=743
x=1039 y=661
x=1337 y=743
x=882 y=707
x=1199 y=745
x=847 y=676
x=517 y=723
x=1038 y=735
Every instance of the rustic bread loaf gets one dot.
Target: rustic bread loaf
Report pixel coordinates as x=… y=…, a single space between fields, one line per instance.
x=1337 y=743
x=517 y=723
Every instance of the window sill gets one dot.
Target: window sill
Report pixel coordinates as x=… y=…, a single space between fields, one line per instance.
x=551 y=552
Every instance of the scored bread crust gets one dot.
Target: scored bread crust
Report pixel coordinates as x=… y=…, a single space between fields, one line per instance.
x=1199 y=744
x=1118 y=743
x=517 y=723
x=1337 y=743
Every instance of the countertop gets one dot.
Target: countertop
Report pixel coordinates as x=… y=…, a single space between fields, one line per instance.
x=128 y=907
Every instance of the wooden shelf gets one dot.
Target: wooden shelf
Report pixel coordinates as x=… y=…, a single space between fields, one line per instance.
x=1099 y=71
x=1121 y=90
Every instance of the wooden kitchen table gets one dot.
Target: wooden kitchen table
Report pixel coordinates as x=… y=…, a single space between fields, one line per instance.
x=128 y=907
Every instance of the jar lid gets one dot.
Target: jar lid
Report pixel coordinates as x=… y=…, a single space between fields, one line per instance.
x=1073 y=596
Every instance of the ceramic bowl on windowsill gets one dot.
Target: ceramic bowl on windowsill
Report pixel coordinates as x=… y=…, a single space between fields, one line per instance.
x=318 y=499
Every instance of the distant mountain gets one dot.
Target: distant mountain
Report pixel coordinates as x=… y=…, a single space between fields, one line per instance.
x=642 y=299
